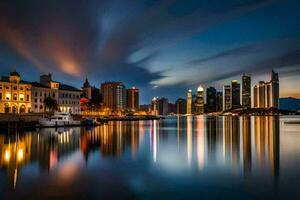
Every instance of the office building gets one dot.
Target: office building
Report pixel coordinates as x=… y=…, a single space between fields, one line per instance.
x=226 y=97
x=163 y=106
x=266 y=94
x=114 y=95
x=180 y=106
x=15 y=94
x=219 y=101
x=154 y=106
x=235 y=94
x=246 y=91
x=211 y=99
x=189 y=102
x=199 y=102
x=132 y=99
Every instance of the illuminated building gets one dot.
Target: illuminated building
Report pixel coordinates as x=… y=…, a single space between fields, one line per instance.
x=199 y=102
x=235 y=94
x=189 y=102
x=246 y=91
x=211 y=99
x=226 y=97
x=154 y=106
x=266 y=94
x=219 y=101
x=114 y=95
x=180 y=106
x=15 y=94
x=133 y=99
x=67 y=97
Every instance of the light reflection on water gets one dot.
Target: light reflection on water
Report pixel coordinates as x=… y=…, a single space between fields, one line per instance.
x=249 y=157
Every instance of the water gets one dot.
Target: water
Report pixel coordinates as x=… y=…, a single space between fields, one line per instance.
x=175 y=158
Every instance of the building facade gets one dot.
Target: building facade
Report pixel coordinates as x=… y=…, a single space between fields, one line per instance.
x=133 y=99
x=91 y=92
x=180 y=106
x=235 y=94
x=114 y=95
x=266 y=94
x=163 y=106
x=226 y=97
x=15 y=94
x=246 y=91
x=154 y=106
x=219 y=102
x=189 y=102
x=211 y=99
x=199 y=102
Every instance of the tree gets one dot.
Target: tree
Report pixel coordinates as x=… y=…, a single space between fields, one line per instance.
x=50 y=104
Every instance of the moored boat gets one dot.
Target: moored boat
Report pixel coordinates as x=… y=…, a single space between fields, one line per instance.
x=58 y=119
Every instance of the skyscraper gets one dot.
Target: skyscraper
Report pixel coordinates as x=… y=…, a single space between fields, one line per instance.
x=199 y=102
x=180 y=106
x=154 y=106
x=114 y=95
x=226 y=97
x=133 y=99
x=219 y=102
x=246 y=91
x=163 y=104
x=266 y=94
x=211 y=99
x=189 y=102
x=235 y=94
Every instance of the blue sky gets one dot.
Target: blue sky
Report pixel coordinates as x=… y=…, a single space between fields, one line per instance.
x=163 y=47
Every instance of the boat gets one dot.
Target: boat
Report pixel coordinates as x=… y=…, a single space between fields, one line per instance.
x=59 y=119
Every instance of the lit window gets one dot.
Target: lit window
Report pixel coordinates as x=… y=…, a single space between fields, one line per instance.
x=15 y=97
x=21 y=97
x=7 y=96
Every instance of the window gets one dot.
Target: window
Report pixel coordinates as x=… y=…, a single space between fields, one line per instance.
x=35 y=106
x=7 y=87
x=41 y=94
x=35 y=100
x=21 y=97
x=15 y=87
x=0 y=87
x=53 y=95
x=7 y=96
x=45 y=95
x=27 y=97
x=15 y=97
x=21 y=88
x=35 y=94
x=70 y=96
x=0 y=96
x=41 y=106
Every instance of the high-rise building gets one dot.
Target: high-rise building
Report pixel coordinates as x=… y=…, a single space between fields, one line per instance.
x=226 y=97
x=235 y=94
x=266 y=94
x=246 y=91
x=211 y=99
x=219 y=102
x=163 y=106
x=199 y=102
x=133 y=99
x=154 y=106
x=189 y=102
x=180 y=106
x=113 y=95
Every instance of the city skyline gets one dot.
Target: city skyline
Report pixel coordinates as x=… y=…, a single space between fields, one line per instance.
x=163 y=48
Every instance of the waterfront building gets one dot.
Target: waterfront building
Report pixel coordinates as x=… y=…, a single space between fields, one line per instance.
x=211 y=99
x=199 y=102
x=66 y=96
x=189 y=102
x=235 y=94
x=114 y=95
x=180 y=106
x=91 y=92
x=226 y=97
x=219 y=101
x=266 y=94
x=154 y=106
x=133 y=99
x=246 y=91
x=15 y=94
x=163 y=106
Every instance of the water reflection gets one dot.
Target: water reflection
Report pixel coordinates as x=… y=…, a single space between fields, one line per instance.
x=244 y=146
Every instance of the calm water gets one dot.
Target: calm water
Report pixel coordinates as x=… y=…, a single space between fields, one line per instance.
x=176 y=158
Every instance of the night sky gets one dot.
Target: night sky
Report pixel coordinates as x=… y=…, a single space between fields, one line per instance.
x=163 y=47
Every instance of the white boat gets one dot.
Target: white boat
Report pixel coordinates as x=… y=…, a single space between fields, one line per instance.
x=58 y=119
